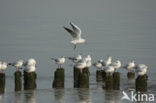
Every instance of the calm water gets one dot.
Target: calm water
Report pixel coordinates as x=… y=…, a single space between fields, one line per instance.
x=124 y=29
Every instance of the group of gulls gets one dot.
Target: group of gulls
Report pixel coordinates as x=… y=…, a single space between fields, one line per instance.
x=107 y=65
x=28 y=66
x=79 y=61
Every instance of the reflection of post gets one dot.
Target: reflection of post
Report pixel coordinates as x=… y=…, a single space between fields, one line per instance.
x=113 y=97
x=18 y=81
x=84 y=95
x=59 y=95
x=2 y=82
x=59 y=78
x=141 y=83
x=29 y=97
x=29 y=80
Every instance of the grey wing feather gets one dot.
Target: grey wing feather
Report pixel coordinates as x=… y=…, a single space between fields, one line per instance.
x=76 y=29
x=70 y=32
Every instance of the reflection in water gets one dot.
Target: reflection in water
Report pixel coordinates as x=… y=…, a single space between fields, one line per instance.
x=18 y=97
x=59 y=95
x=29 y=97
x=112 y=97
x=84 y=95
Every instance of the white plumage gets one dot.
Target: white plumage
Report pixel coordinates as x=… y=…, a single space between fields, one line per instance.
x=76 y=35
x=141 y=69
x=59 y=61
x=130 y=66
x=109 y=69
x=108 y=61
x=116 y=65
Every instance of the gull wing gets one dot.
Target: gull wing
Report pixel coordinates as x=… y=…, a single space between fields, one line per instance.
x=71 y=32
x=76 y=29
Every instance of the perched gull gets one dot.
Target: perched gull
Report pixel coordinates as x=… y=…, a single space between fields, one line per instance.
x=130 y=66
x=141 y=69
x=59 y=61
x=30 y=68
x=88 y=64
x=98 y=65
x=109 y=69
x=81 y=65
x=3 y=66
x=75 y=59
x=88 y=58
x=108 y=61
x=76 y=35
x=18 y=65
x=30 y=61
x=116 y=65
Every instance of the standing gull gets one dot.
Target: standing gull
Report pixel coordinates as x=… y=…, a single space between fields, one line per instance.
x=18 y=65
x=59 y=61
x=116 y=65
x=141 y=69
x=130 y=66
x=76 y=35
x=75 y=59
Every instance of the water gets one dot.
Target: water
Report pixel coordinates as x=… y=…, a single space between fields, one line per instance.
x=124 y=29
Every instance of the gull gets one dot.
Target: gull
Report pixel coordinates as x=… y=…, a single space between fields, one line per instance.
x=130 y=66
x=88 y=64
x=30 y=68
x=98 y=65
x=81 y=65
x=116 y=65
x=76 y=35
x=88 y=58
x=109 y=69
x=59 y=61
x=30 y=61
x=141 y=69
x=107 y=62
x=3 y=66
x=75 y=59
x=18 y=65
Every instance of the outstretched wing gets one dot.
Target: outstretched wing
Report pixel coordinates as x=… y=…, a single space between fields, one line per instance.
x=72 y=33
x=76 y=29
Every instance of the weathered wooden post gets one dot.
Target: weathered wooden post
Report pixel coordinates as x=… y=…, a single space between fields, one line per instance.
x=109 y=81
x=141 y=83
x=29 y=80
x=76 y=76
x=104 y=75
x=2 y=83
x=59 y=76
x=18 y=81
x=83 y=80
x=116 y=81
x=130 y=75
x=99 y=75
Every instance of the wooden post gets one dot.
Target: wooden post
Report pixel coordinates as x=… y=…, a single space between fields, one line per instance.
x=59 y=78
x=104 y=75
x=130 y=75
x=99 y=75
x=116 y=81
x=83 y=80
x=30 y=80
x=2 y=83
x=109 y=81
x=141 y=83
x=18 y=81
x=76 y=76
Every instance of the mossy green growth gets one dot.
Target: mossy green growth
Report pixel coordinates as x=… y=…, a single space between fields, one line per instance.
x=130 y=75
x=116 y=81
x=109 y=81
x=2 y=83
x=141 y=83
x=83 y=80
x=18 y=80
x=30 y=80
x=76 y=76
x=99 y=75
x=59 y=76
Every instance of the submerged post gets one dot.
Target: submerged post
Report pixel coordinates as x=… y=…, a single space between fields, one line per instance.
x=58 y=81
x=116 y=81
x=141 y=83
x=109 y=81
x=130 y=75
x=18 y=81
x=99 y=75
x=29 y=80
x=2 y=83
